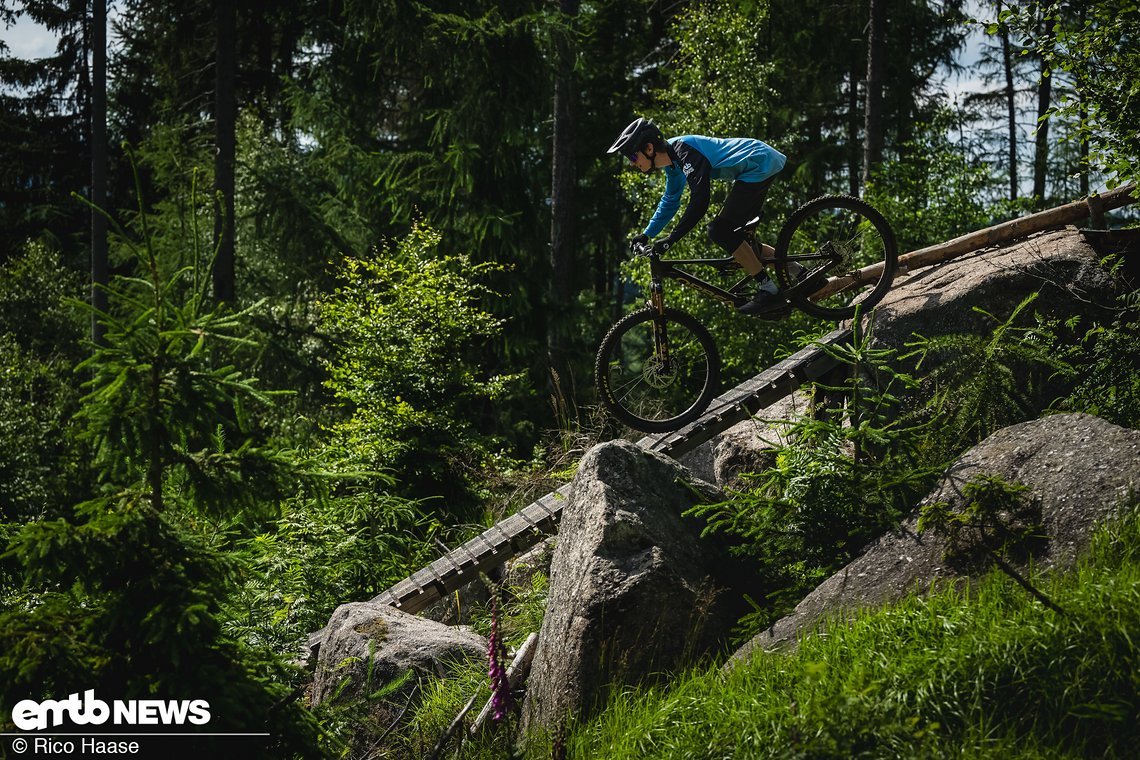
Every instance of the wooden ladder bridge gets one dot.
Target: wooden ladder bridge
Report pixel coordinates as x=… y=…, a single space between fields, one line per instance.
x=522 y=530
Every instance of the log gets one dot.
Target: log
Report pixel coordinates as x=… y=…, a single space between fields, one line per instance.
x=999 y=233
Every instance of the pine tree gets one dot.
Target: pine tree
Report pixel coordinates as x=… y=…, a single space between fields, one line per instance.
x=44 y=117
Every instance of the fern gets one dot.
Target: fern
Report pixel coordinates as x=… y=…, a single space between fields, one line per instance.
x=985 y=382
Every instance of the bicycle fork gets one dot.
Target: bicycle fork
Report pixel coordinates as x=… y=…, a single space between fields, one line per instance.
x=660 y=337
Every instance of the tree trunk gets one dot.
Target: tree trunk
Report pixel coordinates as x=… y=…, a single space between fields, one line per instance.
x=873 y=118
x=99 y=269
x=853 y=130
x=1011 y=106
x=1083 y=115
x=1044 y=101
x=225 y=143
x=563 y=180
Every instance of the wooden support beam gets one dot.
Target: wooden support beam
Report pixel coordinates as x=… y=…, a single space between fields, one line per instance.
x=999 y=233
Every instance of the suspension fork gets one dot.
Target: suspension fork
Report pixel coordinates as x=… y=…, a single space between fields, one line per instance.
x=657 y=302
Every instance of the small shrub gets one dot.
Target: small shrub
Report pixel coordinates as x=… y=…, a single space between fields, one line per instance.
x=408 y=324
x=1109 y=383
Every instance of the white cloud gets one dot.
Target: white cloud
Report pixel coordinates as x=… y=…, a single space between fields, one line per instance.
x=27 y=39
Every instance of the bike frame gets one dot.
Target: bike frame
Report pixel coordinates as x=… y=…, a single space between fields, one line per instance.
x=671 y=269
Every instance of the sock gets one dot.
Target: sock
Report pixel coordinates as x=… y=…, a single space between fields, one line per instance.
x=765 y=284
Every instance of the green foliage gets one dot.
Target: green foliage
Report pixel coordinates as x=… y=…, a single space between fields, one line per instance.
x=163 y=405
x=998 y=523
x=838 y=481
x=960 y=673
x=124 y=594
x=933 y=191
x=1092 y=44
x=35 y=289
x=719 y=77
x=1109 y=383
x=124 y=601
x=410 y=326
x=39 y=337
x=38 y=460
x=438 y=112
x=323 y=553
x=982 y=382
x=442 y=700
x=990 y=502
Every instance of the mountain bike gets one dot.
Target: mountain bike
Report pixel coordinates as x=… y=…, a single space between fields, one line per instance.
x=658 y=368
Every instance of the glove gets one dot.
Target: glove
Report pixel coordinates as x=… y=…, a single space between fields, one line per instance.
x=637 y=240
x=661 y=246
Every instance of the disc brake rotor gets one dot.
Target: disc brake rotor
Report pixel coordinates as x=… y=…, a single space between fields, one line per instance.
x=659 y=375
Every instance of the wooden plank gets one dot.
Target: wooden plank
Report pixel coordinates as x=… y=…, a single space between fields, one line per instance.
x=546 y=505
x=466 y=555
x=496 y=530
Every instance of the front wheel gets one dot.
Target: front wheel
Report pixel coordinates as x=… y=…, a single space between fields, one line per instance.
x=844 y=239
x=657 y=372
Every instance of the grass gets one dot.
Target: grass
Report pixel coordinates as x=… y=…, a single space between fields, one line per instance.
x=986 y=672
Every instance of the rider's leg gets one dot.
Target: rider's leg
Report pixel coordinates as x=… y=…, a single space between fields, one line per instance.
x=744 y=202
x=746 y=257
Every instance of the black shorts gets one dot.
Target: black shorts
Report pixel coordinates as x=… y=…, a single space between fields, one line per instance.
x=743 y=204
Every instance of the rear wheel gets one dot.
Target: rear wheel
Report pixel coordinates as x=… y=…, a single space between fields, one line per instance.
x=656 y=390
x=835 y=237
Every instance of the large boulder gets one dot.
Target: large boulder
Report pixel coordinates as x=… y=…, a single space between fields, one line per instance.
x=940 y=300
x=634 y=590
x=1078 y=468
x=372 y=644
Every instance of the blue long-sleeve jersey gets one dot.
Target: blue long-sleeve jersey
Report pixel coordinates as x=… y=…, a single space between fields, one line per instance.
x=697 y=160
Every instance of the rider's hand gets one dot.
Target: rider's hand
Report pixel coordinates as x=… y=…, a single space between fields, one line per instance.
x=661 y=246
x=637 y=240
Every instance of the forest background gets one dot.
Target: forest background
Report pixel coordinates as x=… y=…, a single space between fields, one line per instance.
x=291 y=296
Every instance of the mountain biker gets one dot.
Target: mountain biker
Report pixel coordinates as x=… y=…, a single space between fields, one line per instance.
x=696 y=160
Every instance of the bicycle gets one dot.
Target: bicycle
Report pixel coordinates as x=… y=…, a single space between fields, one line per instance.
x=658 y=368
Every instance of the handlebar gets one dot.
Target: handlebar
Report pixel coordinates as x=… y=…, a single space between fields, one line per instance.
x=641 y=249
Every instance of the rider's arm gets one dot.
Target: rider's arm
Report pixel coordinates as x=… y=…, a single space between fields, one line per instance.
x=697 y=171
x=669 y=203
